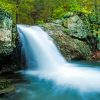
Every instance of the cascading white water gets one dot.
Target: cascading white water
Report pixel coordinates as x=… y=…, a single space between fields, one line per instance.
x=51 y=64
x=38 y=44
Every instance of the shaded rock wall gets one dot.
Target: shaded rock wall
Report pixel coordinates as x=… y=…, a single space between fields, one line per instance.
x=9 y=55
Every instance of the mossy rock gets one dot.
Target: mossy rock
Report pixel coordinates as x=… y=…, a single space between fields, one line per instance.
x=70 y=47
x=4 y=83
x=5 y=86
x=7 y=90
x=76 y=27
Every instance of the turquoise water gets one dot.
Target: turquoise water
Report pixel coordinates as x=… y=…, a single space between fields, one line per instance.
x=42 y=89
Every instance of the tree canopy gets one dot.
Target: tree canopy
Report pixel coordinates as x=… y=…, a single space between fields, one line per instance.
x=40 y=11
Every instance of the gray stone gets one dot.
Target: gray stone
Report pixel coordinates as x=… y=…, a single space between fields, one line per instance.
x=71 y=48
x=76 y=27
x=5 y=32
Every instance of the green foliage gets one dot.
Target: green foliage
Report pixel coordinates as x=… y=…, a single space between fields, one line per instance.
x=58 y=13
x=40 y=11
x=9 y=7
x=83 y=6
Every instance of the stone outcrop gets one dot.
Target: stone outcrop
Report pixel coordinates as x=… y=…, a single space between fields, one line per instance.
x=70 y=47
x=9 y=56
x=76 y=27
x=5 y=33
x=75 y=36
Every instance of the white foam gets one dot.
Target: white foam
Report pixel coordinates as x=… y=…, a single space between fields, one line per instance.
x=82 y=79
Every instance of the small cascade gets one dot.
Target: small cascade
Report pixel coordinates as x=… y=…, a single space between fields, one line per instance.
x=39 y=45
x=51 y=65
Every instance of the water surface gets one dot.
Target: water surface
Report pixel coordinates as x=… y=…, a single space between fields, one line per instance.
x=43 y=89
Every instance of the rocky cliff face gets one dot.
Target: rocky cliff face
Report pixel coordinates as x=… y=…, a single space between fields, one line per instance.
x=7 y=44
x=5 y=33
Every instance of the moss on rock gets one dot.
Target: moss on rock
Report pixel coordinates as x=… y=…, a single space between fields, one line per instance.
x=70 y=47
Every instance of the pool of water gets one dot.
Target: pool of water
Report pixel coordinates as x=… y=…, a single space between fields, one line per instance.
x=42 y=89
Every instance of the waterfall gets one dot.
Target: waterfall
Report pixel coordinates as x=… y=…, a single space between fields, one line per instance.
x=51 y=65
x=37 y=44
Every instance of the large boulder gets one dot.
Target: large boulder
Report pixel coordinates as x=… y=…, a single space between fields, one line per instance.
x=9 y=54
x=71 y=48
x=5 y=33
x=76 y=27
